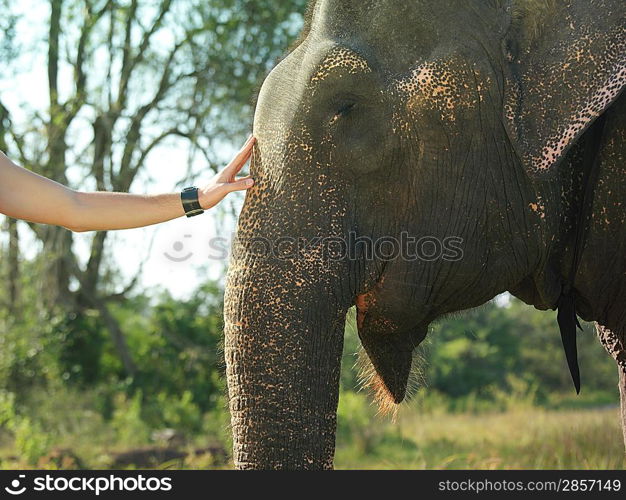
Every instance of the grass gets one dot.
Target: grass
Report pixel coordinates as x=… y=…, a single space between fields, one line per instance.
x=432 y=432
x=522 y=438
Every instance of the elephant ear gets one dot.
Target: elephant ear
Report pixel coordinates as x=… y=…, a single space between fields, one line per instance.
x=568 y=64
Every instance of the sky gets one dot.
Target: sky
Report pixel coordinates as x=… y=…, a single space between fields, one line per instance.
x=176 y=256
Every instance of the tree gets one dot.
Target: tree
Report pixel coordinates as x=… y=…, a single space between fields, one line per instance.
x=7 y=54
x=124 y=77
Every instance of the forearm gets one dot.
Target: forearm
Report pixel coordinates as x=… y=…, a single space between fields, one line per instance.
x=102 y=211
x=28 y=196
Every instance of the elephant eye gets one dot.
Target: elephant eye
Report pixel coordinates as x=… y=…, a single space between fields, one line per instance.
x=343 y=111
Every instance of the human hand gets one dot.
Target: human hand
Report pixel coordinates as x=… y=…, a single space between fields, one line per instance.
x=225 y=181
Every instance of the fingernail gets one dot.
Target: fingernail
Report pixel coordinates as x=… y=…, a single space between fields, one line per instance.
x=249 y=182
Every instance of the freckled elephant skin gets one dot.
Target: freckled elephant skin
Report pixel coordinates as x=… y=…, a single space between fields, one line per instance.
x=284 y=332
x=460 y=125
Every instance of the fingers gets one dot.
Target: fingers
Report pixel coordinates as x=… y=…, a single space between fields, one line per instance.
x=241 y=159
x=240 y=184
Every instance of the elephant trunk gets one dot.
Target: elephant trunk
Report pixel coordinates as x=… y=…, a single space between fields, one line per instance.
x=284 y=339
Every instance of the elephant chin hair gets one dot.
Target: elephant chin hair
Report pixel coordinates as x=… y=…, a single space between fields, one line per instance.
x=370 y=380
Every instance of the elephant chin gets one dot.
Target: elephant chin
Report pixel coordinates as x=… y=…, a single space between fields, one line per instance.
x=390 y=349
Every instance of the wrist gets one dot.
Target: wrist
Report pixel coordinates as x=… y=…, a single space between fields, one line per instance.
x=190 y=199
x=203 y=199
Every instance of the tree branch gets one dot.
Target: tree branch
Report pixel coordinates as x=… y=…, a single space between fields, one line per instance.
x=126 y=173
x=120 y=296
x=13 y=261
x=118 y=336
x=92 y=271
x=53 y=51
x=126 y=56
x=132 y=171
x=80 y=78
x=129 y=63
x=110 y=322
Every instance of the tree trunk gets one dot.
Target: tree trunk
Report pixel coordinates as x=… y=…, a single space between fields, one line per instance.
x=119 y=340
x=13 y=262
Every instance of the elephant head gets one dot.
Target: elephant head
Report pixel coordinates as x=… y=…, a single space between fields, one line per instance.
x=406 y=155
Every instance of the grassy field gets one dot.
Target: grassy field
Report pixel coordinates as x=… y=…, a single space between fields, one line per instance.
x=525 y=438
x=511 y=432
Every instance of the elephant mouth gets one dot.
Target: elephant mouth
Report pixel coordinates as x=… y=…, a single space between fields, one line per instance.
x=389 y=343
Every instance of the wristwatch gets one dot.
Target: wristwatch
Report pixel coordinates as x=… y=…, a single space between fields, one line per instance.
x=191 y=203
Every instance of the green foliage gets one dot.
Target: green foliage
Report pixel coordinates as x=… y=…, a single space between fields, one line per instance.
x=180 y=412
x=7 y=408
x=31 y=440
x=49 y=363
x=477 y=350
x=492 y=361
x=216 y=424
x=80 y=338
x=127 y=423
x=28 y=355
x=359 y=426
x=351 y=348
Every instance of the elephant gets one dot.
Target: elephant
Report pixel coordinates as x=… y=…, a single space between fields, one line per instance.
x=415 y=159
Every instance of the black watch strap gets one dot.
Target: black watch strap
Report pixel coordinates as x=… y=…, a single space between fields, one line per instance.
x=191 y=203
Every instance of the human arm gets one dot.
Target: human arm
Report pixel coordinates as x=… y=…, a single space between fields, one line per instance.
x=29 y=196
